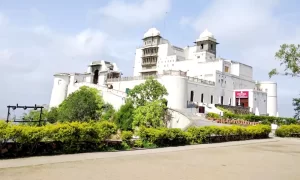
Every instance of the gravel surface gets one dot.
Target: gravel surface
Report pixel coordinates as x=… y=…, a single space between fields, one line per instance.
x=278 y=160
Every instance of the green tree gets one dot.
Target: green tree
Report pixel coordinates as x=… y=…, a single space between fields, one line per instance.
x=34 y=115
x=124 y=116
x=296 y=104
x=289 y=56
x=108 y=112
x=52 y=115
x=149 y=91
x=82 y=105
x=150 y=115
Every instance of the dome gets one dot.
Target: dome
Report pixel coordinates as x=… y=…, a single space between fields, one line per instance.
x=152 y=32
x=205 y=34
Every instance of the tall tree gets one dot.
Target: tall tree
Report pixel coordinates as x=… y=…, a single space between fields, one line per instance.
x=108 y=112
x=124 y=117
x=82 y=105
x=149 y=115
x=149 y=91
x=296 y=104
x=289 y=56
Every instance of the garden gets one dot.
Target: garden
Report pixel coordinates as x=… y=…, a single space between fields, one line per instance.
x=84 y=123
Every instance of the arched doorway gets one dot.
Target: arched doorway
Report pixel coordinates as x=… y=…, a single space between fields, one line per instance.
x=96 y=76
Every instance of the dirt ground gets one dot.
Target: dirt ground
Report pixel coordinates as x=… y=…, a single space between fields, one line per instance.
x=272 y=160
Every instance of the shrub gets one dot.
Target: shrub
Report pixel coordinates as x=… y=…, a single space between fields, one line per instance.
x=197 y=135
x=3 y=126
x=213 y=115
x=126 y=136
x=138 y=143
x=287 y=130
x=72 y=136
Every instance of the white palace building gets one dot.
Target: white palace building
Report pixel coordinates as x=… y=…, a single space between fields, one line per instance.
x=191 y=75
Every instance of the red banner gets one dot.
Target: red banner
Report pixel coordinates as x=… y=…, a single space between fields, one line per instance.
x=241 y=94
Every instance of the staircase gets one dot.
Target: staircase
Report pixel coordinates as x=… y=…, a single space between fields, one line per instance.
x=196 y=119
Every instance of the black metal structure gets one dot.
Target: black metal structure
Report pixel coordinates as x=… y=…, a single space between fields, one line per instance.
x=35 y=107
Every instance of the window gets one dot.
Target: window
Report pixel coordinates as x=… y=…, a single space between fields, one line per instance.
x=202 y=97
x=226 y=69
x=211 y=46
x=229 y=101
x=222 y=100
x=192 y=96
x=201 y=46
x=211 y=99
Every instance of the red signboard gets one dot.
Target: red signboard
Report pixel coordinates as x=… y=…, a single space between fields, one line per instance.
x=241 y=94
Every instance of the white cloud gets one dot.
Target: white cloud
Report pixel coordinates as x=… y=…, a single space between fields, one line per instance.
x=3 y=20
x=141 y=12
x=31 y=54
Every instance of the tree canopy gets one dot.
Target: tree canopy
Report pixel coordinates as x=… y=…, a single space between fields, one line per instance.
x=289 y=56
x=149 y=91
x=108 y=112
x=149 y=115
x=82 y=105
x=124 y=117
x=296 y=104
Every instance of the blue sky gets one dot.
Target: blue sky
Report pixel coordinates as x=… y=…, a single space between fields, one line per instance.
x=40 y=38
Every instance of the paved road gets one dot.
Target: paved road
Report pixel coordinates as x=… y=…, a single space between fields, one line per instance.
x=276 y=160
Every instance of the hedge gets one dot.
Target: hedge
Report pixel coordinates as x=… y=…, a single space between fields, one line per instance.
x=76 y=137
x=288 y=131
x=197 y=135
x=254 y=118
x=66 y=137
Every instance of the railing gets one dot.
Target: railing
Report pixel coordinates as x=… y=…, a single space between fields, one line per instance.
x=150 y=54
x=174 y=73
x=201 y=81
x=133 y=78
x=149 y=63
x=166 y=72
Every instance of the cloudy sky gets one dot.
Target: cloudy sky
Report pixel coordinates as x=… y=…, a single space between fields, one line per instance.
x=40 y=38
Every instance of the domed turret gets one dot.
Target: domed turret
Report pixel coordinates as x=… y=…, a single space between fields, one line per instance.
x=206 y=33
x=152 y=32
x=206 y=36
x=207 y=43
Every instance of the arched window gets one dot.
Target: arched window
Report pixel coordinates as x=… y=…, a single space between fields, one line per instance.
x=211 y=99
x=192 y=96
x=202 y=97
x=96 y=76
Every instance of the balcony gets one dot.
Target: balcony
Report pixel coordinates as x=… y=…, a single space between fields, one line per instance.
x=150 y=55
x=150 y=63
